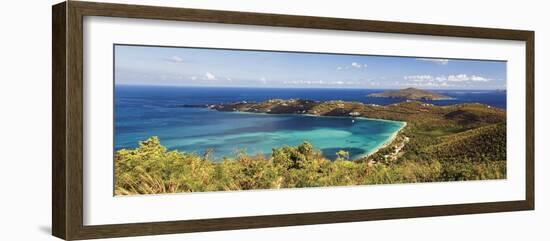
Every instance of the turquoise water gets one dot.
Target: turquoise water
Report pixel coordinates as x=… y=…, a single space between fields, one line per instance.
x=259 y=133
x=198 y=129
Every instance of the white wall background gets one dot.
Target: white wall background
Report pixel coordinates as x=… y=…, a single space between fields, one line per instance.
x=25 y=121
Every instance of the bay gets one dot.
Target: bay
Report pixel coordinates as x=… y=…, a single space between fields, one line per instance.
x=145 y=111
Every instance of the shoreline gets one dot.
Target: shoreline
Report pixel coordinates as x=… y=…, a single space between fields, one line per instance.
x=376 y=149
x=387 y=142
x=311 y=115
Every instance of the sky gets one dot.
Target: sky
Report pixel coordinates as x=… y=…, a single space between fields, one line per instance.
x=178 y=66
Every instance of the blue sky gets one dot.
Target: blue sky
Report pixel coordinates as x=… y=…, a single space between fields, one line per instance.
x=147 y=65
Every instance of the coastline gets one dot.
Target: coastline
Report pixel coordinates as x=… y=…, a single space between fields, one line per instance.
x=311 y=115
x=387 y=142
x=355 y=111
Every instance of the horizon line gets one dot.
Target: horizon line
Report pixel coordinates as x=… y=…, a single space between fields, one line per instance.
x=304 y=87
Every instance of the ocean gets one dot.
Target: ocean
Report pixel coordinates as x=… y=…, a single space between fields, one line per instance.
x=145 y=111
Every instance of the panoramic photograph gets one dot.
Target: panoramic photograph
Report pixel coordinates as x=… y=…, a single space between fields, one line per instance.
x=190 y=119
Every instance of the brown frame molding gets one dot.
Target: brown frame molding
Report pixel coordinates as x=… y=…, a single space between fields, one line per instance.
x=67 y=120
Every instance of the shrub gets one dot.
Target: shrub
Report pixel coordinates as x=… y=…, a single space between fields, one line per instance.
x=151 y=168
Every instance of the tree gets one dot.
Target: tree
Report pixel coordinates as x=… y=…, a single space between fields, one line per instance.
x=342 y=154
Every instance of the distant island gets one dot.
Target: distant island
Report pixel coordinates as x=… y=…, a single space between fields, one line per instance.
x=411 y=94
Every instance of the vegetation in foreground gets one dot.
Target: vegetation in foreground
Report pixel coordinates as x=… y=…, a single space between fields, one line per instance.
x=152 y=169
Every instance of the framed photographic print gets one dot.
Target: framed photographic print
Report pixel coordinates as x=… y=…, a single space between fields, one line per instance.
x=171 y=120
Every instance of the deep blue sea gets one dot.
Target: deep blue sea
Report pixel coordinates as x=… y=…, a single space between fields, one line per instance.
x=145 y=111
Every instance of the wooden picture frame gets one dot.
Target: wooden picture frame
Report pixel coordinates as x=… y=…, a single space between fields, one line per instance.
x=67 y=137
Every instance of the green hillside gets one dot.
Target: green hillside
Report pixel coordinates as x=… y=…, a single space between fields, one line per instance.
x=411 y=94
x=480 y=144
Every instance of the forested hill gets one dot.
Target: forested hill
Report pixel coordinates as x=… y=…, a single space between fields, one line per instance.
x=462 y=116
x=411 y=94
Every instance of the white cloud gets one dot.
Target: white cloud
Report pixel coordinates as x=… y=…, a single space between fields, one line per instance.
x=425 y=84
x=319 y=82
x=458 y=78
x=419 y=78
x=446 y=78
x=352 y=65
x=264 y=80
x=210 y=76
x=356 y=65
x=175 y=59
x=435 y=61
x=193 y=77
x=479 y=78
